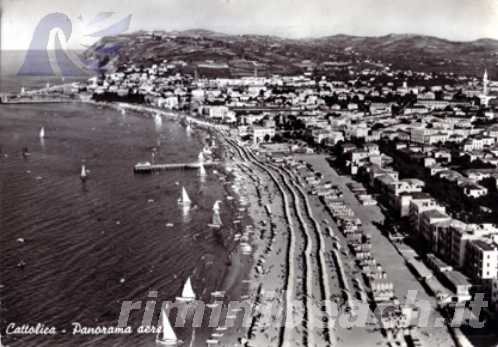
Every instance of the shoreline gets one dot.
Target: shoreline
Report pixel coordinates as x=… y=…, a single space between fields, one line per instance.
x=239 y=267
x=232 y=280
x=282 y=238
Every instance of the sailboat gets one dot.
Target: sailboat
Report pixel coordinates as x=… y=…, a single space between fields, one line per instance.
x=188 y=128
x=42 y=133
x=201 y=157
x=83 y=174
x=202 y=170
x=216 y=222
x=187 y=293
x=25 y=152
x=184 y=200
x=166 y=336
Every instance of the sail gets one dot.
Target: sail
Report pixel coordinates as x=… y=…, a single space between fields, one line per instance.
x=188 y=291
x=216 y=218
x=202 y=170
x=42 y=132
x=168 y=334
x=201 y=157
x=216 y=206
x=185 y=197
x=83 y=171
x=158 y=121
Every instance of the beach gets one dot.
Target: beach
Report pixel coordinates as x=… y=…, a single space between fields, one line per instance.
x=294 y=261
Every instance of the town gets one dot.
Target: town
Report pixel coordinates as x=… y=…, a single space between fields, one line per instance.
x=420 y=148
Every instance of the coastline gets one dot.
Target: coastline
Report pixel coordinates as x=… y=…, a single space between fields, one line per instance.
x=257 y=186
x=236 y=277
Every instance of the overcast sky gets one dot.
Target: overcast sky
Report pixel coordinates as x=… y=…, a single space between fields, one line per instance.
x=452 y=19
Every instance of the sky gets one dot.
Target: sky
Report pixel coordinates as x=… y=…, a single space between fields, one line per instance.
x=451 y=19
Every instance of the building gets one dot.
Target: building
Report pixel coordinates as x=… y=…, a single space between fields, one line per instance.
x=482 y=260
x=214 y=112
x=429 y=221
x=421 y=205
x=427 y=136
x=459 y=284
x=473 y=190
x=262 y=134
x=484 y=97
x=461 y=233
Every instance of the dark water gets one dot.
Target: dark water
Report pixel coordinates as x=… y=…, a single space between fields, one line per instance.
x=81 y=240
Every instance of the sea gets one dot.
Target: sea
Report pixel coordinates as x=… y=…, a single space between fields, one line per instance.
x=74 y=251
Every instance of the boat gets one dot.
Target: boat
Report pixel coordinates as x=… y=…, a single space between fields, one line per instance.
x=25 y=152
x=202 y=170
x=213 y=305
x=83 y=174
x=184 y=200
x=188 y=128
x=188 y=293
x=216 y=223
x=42 y=133
x=245 y=248
x=201 y=157
x=218 y=294
x=166 y=336
x=212 y=342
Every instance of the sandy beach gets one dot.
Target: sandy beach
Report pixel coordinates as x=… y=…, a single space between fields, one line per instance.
x=294 y=261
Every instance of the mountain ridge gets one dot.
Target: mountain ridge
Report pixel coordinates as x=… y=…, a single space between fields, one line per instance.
x=276 y=54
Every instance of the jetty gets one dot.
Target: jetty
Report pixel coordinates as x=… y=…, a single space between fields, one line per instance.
x=148 y=167
x=9 y=99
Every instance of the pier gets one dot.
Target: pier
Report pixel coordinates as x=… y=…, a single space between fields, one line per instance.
x=148 y=167
x=6 y=99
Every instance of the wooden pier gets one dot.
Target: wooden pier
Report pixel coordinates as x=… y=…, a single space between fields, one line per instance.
x=148 y=168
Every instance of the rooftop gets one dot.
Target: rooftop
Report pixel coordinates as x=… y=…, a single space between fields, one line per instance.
x=457 y=278
x=483 y=245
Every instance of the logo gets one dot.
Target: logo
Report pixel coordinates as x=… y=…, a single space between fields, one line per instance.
x=58 y=42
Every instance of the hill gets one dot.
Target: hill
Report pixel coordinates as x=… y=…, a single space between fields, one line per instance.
x=275 y=55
